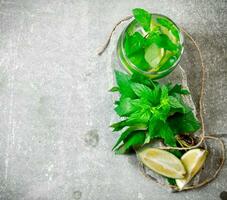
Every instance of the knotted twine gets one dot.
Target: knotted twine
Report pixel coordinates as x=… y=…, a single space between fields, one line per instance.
x=202 y=136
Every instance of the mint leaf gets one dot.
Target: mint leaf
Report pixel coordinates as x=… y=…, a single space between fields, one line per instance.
x=140 y=104
x=139 y=61
x=159 y=129
x=163 y=41
x=175 y=103
x=155 y=95
x=141 y=116
x=119 y=125
x=132 y=140
x=124 y=84
x=124 y=135
x=163 y=112
x=171 y=181
x=137 y=78
x=177 y=89
x=125 y=107
x=183 y=123
x=133 y=43
x=152 y=95
x=167 y=135
x=153 y=36
x=132 y=123
x=114 y=89
x=184 y=108
x=154 y=127
x=164 y=94
x=141 y=90
x=142 y=17
x=169 y=25
x=164 y=22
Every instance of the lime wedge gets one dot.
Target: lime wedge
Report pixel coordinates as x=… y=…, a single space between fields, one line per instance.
x=167 y=55
x=153 y=55
x=192 y=160
x=162 y=162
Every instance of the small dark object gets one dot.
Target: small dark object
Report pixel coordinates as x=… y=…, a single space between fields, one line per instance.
x=223 y=195
x=185 y=140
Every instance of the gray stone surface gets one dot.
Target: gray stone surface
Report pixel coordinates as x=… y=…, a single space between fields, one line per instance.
x=55 y=143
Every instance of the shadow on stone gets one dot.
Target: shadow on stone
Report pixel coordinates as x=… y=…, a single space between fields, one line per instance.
x=77 y=195
x=91 y=138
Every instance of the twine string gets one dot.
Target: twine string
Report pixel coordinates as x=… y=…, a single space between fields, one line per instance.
x=111 y=34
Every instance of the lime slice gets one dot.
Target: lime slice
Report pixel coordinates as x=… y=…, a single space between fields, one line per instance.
x=192 y=160
x=153 y=55
x=153 y=25
x=162 y=162
x=167 y=55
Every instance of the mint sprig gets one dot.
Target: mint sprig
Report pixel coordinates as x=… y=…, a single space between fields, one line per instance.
x=150 y=111
x=142 y=17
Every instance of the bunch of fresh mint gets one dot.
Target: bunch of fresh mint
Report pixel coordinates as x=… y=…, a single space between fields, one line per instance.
x=137 y=45
x=150 y=111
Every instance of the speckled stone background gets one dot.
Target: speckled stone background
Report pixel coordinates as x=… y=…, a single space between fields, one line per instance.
x=55 y=143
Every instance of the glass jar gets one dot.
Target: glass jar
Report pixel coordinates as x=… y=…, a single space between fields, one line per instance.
x=130 y=67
